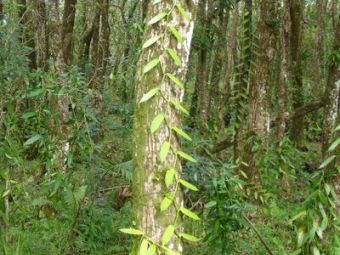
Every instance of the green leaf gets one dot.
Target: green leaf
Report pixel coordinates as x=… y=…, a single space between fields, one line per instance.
x=166 y=202
x=189 y=237
x=151 y=41
x=150 y=65
x=179 y=107
x=327 y=161
x=157 y=121
x=168 y=251
x=168 y=233
x=183 y=12
x=157 y=18
x=334 y=144
x=36 y=92
x=32 y=140
x=182 y=133
x=131 y=231
x=189 y=213
x=151 y=250
x=337 y=128
x=174 y=56
x=315 y=251
x=169 y=177
x=176 y=34
x=149 y=95
x=186 y=156
x=143 y=247
x=210 y=204
x=6 y=193
x=300 y=238
x=164 y=151
x=188 y=185
x=175 y=80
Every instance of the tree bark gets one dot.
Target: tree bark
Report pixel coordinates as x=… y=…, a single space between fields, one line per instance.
x=147 y=168
x=331 y=98
x=283 y=79
x=260 y=87
x=42 y=36
x=296 y=14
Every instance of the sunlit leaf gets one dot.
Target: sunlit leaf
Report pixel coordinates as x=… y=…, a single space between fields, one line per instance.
x=182 y=133
x=210 y=204
x=179 y=107
x=32 y=140
x=149 y=95
x=183 y=12
x=166 y=202
x=327 y=161
x=189 y=237
x=143 y=247
x=176 y=34
x=175 y=80
x=157 y=121
x=157 y=18
x=131 y=231
x=164 y=151
x=189 y=213
x=151 y=41
x=174 y=56
x=169 y=177
x=186 y=156
x=151 y=250
x=149 y=66
x=168 y=233
x=188 y=185
x=334 y=144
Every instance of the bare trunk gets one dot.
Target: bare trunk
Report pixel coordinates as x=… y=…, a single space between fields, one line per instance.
x=42 y=36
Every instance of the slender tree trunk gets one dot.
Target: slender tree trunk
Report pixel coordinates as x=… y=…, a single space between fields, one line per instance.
x=42 y=36
x=331 y=98
x=147 y=167
x=242 y=78
x=283 y=79
x=260 y=87
x=1 y=10
x=320 y=6
x=296 y=13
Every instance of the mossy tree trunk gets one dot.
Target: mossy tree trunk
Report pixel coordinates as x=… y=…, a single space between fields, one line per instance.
x=296 y=14
x=260 y=88
x=148 y=170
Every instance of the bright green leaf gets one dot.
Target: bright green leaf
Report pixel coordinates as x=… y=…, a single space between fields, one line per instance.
x=183 y=12
x=6 y=193
x=174 y=56
x=169 y=177
x=151 y=250
x=150 y=65
x=188 y=185
x=179 y=107
x=166 y=202
x=182 y=133
x=157 y=18
x=131 y=231
x=189 y=237
x=176 y=34
x=143 y=247
x=168 y=233
x=36 y=92
x=186 y=156
x=334 y=144
x=164 y=151
x=189 y=213
x=151 y=41
x=210 y=204
x=315 y=251
x=149 y=95
x=157 y=121
x=175 y=80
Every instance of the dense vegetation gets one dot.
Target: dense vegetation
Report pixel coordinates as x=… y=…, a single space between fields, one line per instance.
x=169 y=127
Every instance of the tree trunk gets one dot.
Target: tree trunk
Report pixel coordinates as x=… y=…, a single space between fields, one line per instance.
x=242 y=78
x=42 y=36
x=331 y=98
x=296 y=13
x=260 y=87
x=148 y=190
x=283 y=79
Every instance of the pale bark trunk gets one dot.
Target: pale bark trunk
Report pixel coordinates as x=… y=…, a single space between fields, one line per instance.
x=147 y=191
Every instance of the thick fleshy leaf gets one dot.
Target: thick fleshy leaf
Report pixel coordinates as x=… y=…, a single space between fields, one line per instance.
x=189 y=237
x=174 y=56
x=151 y=41
x=186 y=156
x=188 y=185
x=166 y=202
x=168 y=233
x=164 y=151
x=179 y=107
x=157 y=121
x=149 y=95
x=131 y=231
x=189 y=213
x=149 y=66
x=169 y=177
x=182 y=133
x=175 y=80
x=157 y=18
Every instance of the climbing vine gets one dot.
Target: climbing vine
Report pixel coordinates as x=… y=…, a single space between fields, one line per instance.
x=171 y=178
